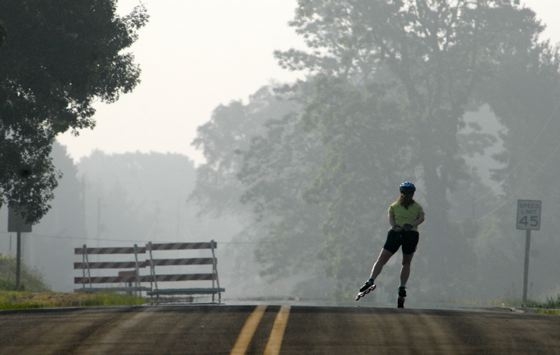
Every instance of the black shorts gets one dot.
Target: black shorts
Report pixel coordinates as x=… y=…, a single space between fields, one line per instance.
x=408 y=240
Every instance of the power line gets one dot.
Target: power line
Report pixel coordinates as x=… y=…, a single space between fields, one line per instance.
x=128 y=240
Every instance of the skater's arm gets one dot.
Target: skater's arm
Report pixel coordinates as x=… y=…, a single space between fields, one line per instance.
x=418 y=221
x=392 y=222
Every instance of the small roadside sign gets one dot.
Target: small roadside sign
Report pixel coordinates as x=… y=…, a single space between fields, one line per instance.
x=529 y=214
x=16 y=220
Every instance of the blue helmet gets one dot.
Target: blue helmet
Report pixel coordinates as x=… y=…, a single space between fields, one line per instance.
x=407 y=186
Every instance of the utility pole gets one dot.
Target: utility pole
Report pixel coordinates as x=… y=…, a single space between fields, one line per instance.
x=98 y=227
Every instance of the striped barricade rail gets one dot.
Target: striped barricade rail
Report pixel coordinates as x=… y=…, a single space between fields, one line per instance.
x=182 y=246
x=187 y=291
x=186 y=277
x=104 y=279
x=110 y=250
x=187 y=261
x=130 y=277
x=110 y=265
x=146 y=278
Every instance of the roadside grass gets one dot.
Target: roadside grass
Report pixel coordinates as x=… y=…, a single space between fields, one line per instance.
x=550 y=306
x=554 y=312
x=33 y=292
x=16 y=300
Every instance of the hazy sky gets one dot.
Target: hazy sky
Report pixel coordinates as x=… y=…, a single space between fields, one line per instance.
x=196 y=55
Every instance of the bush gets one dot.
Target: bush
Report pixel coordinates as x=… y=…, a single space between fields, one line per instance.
x=30 y=280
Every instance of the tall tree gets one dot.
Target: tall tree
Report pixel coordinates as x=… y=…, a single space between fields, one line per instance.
x=2 y=33
x=260 y=161
x=276 y=172
x=136 y=196
x=525 y=96
x=223 y=141
x=57 y=58
x=434 y=55
x=357 y=128
x=389 y=85
x=61 y=229
x=282 y=170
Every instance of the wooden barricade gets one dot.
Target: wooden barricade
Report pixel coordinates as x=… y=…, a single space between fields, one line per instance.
x=156 y=264
x=130 y=271
x=130 y=276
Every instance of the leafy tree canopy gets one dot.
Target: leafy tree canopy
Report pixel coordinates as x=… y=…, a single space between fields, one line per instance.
x=224 y=140
x=385 y=100
x=433 y=57
x=57 y=58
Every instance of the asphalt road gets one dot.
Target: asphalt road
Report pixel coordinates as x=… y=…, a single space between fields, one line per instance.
x=212 y=329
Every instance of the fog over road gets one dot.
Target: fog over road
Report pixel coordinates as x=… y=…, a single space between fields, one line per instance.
x=211 y=329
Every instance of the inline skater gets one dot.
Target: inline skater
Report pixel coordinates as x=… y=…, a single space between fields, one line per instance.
x=405 y=215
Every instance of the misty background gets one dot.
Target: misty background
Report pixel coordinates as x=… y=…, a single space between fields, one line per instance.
x=295 y=181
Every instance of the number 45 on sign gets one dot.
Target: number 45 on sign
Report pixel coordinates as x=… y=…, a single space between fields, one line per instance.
x=529 y=214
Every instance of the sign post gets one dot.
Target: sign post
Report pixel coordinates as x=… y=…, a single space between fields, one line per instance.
x=17 y=224
x=528 y=219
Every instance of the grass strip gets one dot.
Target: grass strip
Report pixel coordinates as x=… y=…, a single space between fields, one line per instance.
x=15 y=300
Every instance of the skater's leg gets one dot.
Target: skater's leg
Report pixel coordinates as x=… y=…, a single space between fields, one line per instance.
x=382 y=259
x=410 y=241
x=392 y=244
x=405 y=270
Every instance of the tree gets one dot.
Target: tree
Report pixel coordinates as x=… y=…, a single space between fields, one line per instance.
x=277 y=170
x=525 y=96
x=432 y=56
x=136 y=196
x=61 y=229
x=259 y=163
x=2 y=34
x=357 y=128
x=223 y=141
x=58 y=57
x=385 y=100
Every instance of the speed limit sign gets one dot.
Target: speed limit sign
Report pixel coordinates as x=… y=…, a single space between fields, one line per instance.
x=529 y=214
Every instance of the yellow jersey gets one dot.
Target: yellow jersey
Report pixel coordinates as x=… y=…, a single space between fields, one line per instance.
x=405 y=215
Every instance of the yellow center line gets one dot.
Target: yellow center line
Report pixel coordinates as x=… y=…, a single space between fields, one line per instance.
x=277 y=333
x=248 y=330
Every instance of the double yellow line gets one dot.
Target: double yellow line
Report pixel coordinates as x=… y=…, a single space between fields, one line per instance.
x=250 y=327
